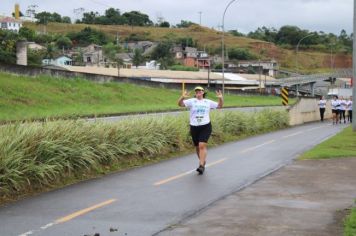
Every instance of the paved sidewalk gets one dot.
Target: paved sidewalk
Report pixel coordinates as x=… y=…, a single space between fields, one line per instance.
x=303 y=198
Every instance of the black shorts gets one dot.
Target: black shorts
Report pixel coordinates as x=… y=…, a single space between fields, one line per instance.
x=200 y=133
x=335 y=111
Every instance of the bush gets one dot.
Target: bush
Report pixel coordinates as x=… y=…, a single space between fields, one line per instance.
x=38 y=155
x=183 y=68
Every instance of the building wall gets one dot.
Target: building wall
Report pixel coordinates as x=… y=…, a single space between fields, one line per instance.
x=189 y=62
x=21 y=53
x=307 y=110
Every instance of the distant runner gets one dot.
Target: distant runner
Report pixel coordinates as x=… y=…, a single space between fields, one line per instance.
x=200 y=126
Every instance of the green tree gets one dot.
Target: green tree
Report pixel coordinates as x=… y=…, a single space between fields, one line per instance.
x=137 y=57
x=290 y=35
x=241 y=54
x=51 y=51
x=236 y=33
x=119 y=63
x=88 y=36
x=265 y=34
x=8 y=41
x=35 y=57
x=27 y=33
x=45 y=17
x=64 y=42
x=78 y=58
x=184 y=24
x=163 y=54
x=110 y=50
x=89 y=17
x=66 y=19
x=114 y=17
x=164 y=24
x=136 y=18
x=186 y=42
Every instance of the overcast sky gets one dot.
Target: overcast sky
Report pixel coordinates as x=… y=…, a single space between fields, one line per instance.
x=330 y=16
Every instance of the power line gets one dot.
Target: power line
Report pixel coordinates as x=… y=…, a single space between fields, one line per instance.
x=100 y=3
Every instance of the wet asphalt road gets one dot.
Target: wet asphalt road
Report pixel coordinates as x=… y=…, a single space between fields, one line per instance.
x=145 y=201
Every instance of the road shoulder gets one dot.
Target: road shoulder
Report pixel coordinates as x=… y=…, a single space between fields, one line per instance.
x=304 y=198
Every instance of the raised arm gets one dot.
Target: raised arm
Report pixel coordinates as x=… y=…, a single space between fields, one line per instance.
x=220 y=99
x=184 y=96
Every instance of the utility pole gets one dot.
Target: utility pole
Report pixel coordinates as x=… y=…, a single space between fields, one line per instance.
x=259 y=74
x=78 y=12
x=354 y=69
x=200 y=17
x=223 y=45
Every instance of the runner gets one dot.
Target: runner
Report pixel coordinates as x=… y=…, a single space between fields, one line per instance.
x=322 y=105
x=200 y=126
x=349 y=109
x=342 y=109
x=335 y=104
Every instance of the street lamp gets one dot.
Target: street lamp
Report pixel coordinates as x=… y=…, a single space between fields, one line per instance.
x=222 y=47
x=354 y=70
x=296 y=51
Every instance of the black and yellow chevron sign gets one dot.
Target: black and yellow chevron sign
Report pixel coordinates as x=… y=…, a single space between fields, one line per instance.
x=284 y=96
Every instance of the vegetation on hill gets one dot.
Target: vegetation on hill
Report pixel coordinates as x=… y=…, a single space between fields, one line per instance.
x=23 y=98
x=318 y=51
x=311 y=57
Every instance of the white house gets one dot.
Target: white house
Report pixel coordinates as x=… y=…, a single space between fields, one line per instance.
x=9 y=23
x=59 y=61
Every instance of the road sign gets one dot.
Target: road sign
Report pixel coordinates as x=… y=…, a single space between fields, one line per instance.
x=284 y=96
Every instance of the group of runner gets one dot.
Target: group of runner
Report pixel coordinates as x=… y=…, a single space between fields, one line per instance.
x=341 y=109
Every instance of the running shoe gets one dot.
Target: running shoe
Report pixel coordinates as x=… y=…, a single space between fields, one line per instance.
x=200 y=169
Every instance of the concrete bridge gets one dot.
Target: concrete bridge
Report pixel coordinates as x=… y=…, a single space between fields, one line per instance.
x=295 y=82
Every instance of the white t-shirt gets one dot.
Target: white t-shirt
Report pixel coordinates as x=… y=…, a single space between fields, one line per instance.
x=335 y=104
x=349 y=105
x=199 y=110
x=343 y=104
x=322 y=103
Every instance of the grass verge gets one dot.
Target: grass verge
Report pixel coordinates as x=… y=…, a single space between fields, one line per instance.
x=29 y=98
x=350 y=224
x=341 y=145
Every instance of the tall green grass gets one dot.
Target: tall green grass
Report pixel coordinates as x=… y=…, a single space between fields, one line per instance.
x=25 y=98
x=34 y=156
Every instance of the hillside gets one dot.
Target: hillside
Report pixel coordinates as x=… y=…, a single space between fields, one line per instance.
x=24 y=98
x=210 y=39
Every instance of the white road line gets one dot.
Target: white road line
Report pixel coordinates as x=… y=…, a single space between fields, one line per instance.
x=27 y=233
x=315 y=128
x=258 y=146
x=294 y=134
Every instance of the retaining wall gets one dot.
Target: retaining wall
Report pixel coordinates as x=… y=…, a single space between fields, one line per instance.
x=307 y=110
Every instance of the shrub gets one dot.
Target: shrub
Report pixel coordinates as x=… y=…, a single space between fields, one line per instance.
x=38 y=155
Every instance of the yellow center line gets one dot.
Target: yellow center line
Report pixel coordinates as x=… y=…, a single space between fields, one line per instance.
x=186 y=173
x=258 y=146
x=84 y=211
x=294 y=134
